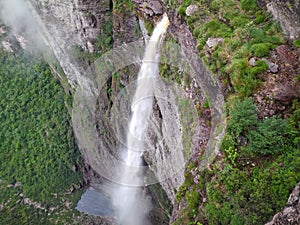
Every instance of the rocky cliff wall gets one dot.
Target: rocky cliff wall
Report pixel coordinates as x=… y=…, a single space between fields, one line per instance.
x=287 y=13
x=79 y=23
x=69 y=24
x=74 y=22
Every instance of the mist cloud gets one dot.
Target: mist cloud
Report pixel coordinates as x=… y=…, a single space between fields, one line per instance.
x=16 y=15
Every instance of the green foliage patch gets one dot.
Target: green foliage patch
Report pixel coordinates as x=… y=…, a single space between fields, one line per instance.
x=242 y=117
x=252 y=196
x=37 y=145
x=247 y=32
x=297 y=43
x=271 y=136
x=261 y=49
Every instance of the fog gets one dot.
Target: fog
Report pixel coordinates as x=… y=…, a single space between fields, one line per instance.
x=16 y=15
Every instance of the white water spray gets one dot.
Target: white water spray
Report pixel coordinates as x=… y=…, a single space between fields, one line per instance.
x=131 y=205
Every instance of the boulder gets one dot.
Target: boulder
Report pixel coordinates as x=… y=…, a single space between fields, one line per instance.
x=191 y=10
x=155 y=6
x=212 y=42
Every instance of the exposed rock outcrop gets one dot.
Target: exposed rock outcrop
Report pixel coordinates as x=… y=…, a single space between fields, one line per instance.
x=69 y=24
x=191 y=10
x=149 y=7
x=280 y=88
x=287 y=13
x=290 y=214
x=75 y=22
x=164 y=141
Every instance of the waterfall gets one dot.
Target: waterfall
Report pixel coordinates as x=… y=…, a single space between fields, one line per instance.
x=130 y=202
x=141 y=106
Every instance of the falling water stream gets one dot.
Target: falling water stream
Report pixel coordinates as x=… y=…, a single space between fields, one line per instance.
x=141 y=106
x=130 y=202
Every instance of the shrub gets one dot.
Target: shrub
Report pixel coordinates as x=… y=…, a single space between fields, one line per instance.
x=192 y=198
x=237 y=66
x=257 y=35
x=212 y=25
x=242 y=75
x=212 y=212
x=242 y=117
x=221 y=4
x=225 y=213
x=236 y=220
x=297 y=43
x=271 y=136
x=181 y=10
x=260 y=18
x=260 y=66
x=215 y=28
x=243 y=52
x=229 y=147
x=249 y=5
x=261 y=49
x=239 y=21
x=201 y=42
x=196 y=32
x=274 y=40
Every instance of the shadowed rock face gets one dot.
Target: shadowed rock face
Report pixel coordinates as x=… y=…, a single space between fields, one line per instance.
x=290 y=214
x=287 y=13
x=74 y=21
x=66 y=24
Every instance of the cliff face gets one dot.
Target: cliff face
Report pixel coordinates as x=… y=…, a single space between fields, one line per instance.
x=75 y=22
x=69 y=24
x=79 y=23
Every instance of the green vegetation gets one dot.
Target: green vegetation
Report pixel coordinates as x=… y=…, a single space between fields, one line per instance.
x=252 y=194
x=37 y=145
x=105 y=41
x=260 y=165
x=121 y=6
x=261 y=49
x=149 y=27
x=242 y=117
x=246 y=31
x=297 y=43
x=252 y=182
x=271 y=136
